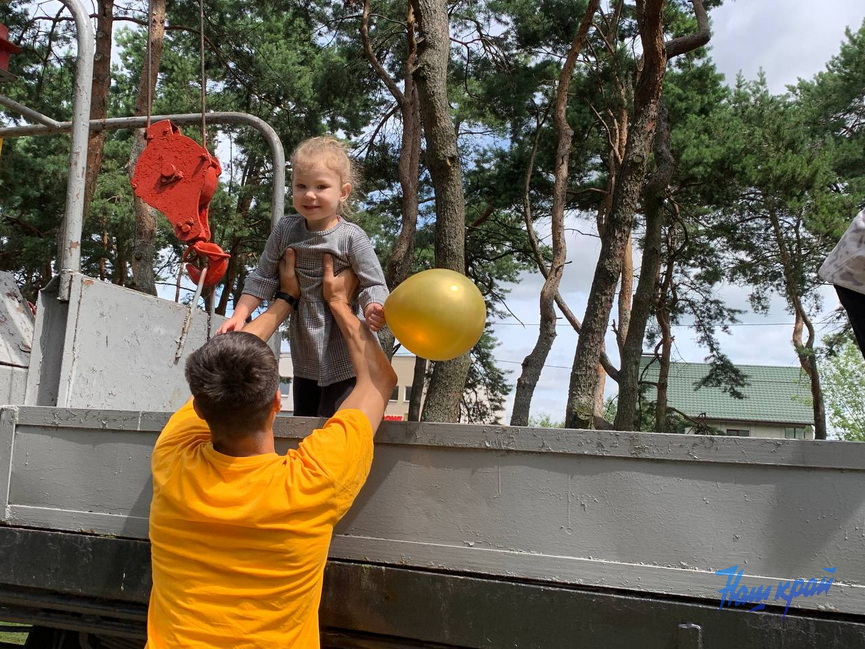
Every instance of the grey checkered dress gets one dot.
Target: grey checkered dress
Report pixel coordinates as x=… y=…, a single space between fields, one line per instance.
x=845 y=265
x=318 y=350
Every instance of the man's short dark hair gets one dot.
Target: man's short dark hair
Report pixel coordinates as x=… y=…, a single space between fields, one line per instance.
x=234 y=378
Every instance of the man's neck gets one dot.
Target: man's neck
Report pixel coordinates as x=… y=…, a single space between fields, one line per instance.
x=259 y=443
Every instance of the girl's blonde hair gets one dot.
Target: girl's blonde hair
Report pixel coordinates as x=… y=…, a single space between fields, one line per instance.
x=327 y=150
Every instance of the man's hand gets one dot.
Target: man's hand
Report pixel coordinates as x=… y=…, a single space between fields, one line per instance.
x=267 y=323
x=234 y=323
x=374 y=315
x=340 y=288
x=375 y=378
x=287 y=276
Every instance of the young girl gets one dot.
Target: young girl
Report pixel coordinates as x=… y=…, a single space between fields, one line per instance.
x=322 y=179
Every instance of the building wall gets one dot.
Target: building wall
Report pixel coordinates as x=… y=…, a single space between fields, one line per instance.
x=761 y=429
x=397 y=407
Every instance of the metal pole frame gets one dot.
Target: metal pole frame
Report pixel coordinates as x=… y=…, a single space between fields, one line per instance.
x=184 y=119
x=81 y=125
x=73 y=221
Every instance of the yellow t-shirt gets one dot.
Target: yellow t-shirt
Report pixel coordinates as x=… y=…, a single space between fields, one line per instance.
x=239 y=544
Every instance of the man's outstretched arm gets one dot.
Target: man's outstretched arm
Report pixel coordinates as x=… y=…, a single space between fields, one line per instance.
x=375 y=376
x=266 y=324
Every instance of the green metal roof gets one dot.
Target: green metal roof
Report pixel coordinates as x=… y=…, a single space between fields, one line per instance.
x=773 y=394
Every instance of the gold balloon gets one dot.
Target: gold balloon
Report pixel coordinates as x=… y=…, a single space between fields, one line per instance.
x=437 y=314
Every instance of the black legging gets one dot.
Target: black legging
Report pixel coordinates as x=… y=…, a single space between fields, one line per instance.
x=312 y=400
x=854 y=305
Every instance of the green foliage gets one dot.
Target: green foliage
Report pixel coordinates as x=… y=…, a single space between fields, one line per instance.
x=843 y=375
x=743 y=155
x=14 y=637
x=835 y=105
x=545 y=420
x=724 y=375
x=674 y=421
x=486 y=388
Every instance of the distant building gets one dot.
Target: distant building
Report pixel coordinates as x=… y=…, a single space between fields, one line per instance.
x=397 y=407
x=777 y=400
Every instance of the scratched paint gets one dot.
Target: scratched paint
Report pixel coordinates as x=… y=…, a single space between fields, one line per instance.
x=570 y=514
x=140 y=330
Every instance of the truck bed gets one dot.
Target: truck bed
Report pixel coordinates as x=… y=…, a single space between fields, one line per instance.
x=476 y=536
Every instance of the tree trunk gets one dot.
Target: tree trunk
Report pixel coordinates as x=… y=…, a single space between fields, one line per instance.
x=144 y=249
x=804 y=349
x=654 y=198
x=666 y=297
x=417 y=389
x=534 y=362
x=584 y=376
x=99 y=103
x=449 y=377
x=400 y=262
x=808 y=361
x=625 y=302
x=252 y=170
x=231 y=275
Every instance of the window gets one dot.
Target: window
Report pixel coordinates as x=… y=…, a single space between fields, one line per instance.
x=394 y=396
x=738 y=432
x=794 y=432
x=408 y=393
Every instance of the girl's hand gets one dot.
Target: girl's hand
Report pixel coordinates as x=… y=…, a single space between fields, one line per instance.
x=374 y=314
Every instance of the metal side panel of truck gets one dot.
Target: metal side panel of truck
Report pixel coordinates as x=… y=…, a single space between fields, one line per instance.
x=473 y=536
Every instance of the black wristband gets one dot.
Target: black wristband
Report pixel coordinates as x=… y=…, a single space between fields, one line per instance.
x=292 y=301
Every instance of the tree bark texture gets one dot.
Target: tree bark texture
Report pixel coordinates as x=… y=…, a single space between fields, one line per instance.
x=534 y=362
x=144 y=249
x=400 y=262
x=804 y=348
x=417 y=389
x=666 y=297
x=584 y=376
x=442 y=158
x=99 y=96
x=632 y=350
x=654 y=198
x=236 y=272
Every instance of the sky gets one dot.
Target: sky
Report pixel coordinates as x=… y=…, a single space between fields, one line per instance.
x=787 y=40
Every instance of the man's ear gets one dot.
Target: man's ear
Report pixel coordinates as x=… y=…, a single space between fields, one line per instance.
x=277 y=402
x=197 y=409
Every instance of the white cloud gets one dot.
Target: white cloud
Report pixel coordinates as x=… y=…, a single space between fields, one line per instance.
x=787 y=39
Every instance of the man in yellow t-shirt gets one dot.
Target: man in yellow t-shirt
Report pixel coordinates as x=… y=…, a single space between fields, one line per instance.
x=239 y=535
